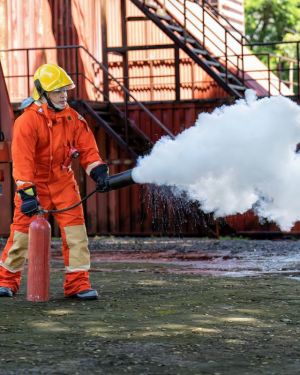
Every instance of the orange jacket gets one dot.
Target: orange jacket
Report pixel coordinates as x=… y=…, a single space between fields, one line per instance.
x=41 y=142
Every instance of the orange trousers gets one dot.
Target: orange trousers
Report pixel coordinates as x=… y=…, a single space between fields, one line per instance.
x=57 y=195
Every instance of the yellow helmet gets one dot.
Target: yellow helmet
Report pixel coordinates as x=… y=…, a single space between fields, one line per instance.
x=50 y=77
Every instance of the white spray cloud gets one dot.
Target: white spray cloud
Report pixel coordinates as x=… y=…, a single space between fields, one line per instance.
x=236 y=158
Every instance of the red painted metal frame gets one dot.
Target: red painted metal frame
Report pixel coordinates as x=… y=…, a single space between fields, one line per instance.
x=6 y=189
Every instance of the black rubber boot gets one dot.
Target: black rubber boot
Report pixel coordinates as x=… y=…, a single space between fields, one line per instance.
x=86 y=294
x=6 y=292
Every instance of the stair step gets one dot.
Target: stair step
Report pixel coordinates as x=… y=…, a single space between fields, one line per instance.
x=237 y=87
x=199 y=51
x=102 y=113
x=187 y=39
x=229 y=75
x=214 y=63
x=162 y=14
x=151 y=4
x=175 y=28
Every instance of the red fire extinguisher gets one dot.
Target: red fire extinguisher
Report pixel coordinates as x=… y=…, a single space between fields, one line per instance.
x=38 y=281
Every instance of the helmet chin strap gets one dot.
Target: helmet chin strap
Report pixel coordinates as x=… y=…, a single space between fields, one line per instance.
x=52 y=105
x=43 y=94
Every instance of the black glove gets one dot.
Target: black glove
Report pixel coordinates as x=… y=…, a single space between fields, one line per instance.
x=30 y=204
x=100 y=175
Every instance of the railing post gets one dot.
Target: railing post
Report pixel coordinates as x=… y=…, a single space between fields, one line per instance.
x=279 y=66
x=243 y=64
x=104 y=49
x=184 y=15
x=269 y=75
x=177 y=73
x=226 y=58
x=203 y=23
x=126 y=117
x=77 y=72
x=125 y=64
x=298 y=68
x=28 y=73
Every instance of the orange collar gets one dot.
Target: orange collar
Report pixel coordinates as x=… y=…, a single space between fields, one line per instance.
x=47 y=112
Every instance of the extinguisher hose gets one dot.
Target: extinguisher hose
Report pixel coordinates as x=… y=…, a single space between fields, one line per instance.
x=116 y=181
x=42 y=211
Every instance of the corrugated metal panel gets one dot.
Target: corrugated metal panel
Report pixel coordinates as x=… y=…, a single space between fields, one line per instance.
x=233 y=11
x=114 y=34
x=19 y=34
x=74 y=22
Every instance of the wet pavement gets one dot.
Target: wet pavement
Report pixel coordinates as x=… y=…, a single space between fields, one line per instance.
x=166 y=306
x=224 y=257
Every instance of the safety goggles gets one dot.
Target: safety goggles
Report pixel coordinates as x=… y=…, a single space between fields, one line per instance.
x=59 y=91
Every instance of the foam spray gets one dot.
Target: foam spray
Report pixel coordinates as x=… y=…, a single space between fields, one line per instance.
x=236 y=158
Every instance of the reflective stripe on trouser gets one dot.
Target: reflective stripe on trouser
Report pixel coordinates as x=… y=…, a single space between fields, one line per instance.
x=76 y=258
x=13 y=258
x=71 y=223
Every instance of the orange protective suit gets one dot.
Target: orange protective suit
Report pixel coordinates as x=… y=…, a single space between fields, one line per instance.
x=41 y=144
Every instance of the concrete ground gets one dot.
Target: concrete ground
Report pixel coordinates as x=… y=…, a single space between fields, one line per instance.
x=166 y=306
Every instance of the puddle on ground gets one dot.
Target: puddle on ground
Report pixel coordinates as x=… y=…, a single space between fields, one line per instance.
x=213 y=264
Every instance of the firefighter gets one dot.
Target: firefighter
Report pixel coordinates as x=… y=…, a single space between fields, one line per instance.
x=44 y=138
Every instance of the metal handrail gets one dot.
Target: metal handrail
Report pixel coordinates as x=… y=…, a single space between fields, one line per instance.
x=243 y=41
x=214 y=11
x=204 y=26
x=104 y=69
x=141 y=105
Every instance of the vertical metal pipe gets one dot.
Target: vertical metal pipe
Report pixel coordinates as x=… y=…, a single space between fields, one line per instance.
x=226 y=58
x=28 y=72
x=177 y=73
x=184 y=15
x=77 y=73
x=243 y=64
x=104 y=48
x=279 y=75
x=269 y=75
x=125 y=64
x=193 y=78
x=298 y=67
x=203 y=22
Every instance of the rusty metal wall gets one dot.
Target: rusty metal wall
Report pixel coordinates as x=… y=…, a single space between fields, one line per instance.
x=233 y=11
x=26 y=24
x=78 y=22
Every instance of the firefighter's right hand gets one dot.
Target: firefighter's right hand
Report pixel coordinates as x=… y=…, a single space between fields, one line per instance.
x=30 y=204
x=100 y=175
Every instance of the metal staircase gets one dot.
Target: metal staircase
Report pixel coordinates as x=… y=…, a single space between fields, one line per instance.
x=107 y=115
x=176 y=29
x=114 y=119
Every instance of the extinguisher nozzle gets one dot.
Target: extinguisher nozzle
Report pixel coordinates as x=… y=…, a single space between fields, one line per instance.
x=120 y=180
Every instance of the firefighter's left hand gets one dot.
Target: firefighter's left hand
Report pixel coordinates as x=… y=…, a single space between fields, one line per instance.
x=30 y=203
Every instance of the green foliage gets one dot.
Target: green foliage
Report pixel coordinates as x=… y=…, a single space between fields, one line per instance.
x=271 y=20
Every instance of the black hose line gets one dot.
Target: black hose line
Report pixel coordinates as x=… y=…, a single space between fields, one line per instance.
x=116 y=181
x=42 y=211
